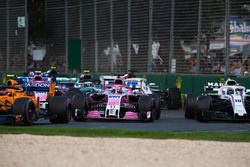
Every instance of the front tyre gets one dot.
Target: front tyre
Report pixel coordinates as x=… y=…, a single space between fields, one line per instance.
x=25 y=107
x=203 y=108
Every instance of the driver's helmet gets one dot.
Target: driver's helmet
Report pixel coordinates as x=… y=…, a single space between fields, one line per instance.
x=230 y=91
x=88 y=84
x=31 y=74
x=113 y=91
x=239 y=91
x=119 y=90
x=37 y=78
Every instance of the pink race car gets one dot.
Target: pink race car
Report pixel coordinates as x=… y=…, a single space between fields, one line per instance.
x=116 y=101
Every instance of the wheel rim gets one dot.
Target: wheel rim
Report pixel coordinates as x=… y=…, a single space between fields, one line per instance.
x=31 y=114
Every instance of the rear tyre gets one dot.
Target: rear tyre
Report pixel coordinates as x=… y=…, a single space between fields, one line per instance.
x=190 y=106
x=26 y=108
x=59 y=109
x=203 y=108
x=146 y=111
x=247 y=106
x=157 y=105
x=79 y=107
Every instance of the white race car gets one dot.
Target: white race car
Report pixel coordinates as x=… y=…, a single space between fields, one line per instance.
x=228 y=101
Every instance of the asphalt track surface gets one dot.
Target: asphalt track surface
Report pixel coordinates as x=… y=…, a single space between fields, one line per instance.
x=171 y=120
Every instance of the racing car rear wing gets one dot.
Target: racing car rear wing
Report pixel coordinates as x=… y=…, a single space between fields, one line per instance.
x=133 y=84
x=33 y=86
x=212 y=87
x=154 y=87
x=66 y=79
x=107 y=79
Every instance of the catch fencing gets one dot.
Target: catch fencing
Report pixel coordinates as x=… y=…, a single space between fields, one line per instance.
x=13 y=36
x=153 y=36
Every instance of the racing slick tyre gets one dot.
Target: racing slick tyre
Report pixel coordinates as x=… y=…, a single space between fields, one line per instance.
x=173 y=98
x=26 y=108
x=72 y=91
x=202 y=108
x=247 y=106
x=189 y=107
x=157 y=105
x=79 y=107
x=59 y=109
x=146 y=111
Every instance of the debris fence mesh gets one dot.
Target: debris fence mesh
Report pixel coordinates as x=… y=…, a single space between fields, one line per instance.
x=154 y=36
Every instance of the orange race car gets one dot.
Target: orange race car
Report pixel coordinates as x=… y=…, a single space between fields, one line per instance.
x=19 y=106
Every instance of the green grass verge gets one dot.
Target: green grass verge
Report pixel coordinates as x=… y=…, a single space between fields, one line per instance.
x=195 y=135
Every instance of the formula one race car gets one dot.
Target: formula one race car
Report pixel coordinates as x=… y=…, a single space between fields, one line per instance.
x=15 y=105
x=52 y=104
x=27 y=106
x=117 y=101
x=228 y=101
